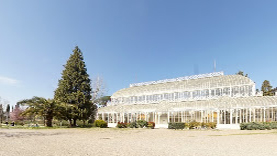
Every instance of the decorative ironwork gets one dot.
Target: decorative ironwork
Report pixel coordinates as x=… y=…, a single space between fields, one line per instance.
x=178 y=79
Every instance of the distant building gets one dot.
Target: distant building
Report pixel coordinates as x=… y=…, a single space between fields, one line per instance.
x=225 y=99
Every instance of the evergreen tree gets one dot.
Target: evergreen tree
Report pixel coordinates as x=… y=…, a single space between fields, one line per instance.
x=8 y=109
x=267 y=88
x=74 y=89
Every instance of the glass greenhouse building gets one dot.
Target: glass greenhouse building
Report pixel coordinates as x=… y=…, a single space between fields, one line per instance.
x=225 y=99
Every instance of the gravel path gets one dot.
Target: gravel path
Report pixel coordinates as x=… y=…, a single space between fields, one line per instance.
x=134 y=142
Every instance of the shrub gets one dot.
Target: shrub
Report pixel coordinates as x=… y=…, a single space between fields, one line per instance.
x=256 y=126
x=122 y=125
x=142 y=123
x=273 y=125
x=100 y=123
x=194 y=124
x=151 y=125
x=176 y=125
x=211 y=125
x=134 y=125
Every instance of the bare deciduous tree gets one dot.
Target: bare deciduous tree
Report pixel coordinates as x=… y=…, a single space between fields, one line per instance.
x=98 y=89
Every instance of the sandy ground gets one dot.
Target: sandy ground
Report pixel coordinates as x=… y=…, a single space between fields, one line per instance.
x=131 y=142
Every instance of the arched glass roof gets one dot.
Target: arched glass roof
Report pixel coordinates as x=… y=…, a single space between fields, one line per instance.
x=185 y=85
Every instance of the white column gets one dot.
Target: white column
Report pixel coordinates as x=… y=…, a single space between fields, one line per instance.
x=145 y=116
x=113 y=118
x=159 y=117
x=103 y=116
x=123 y=118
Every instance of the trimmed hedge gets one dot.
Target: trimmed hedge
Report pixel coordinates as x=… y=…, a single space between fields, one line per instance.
x=191 y=125
x=176 y=125
x=137 y=124
x=258 y=125
x=100 y=123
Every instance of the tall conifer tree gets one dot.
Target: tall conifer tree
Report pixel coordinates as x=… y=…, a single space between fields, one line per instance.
x=267 y=88
x=74 y=89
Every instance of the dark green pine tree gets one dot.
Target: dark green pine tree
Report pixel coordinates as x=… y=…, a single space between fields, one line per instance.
x=74 y=89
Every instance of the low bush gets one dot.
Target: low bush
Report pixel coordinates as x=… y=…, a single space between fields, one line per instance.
x=273 y=125
x=134 y=125
x=176 y=125
x=210 y=125
x=151 y=125
x=142 y=123
x=137 y=124
x=194 y=125
x=100 y=123
x=122 y=125
x=257 y=126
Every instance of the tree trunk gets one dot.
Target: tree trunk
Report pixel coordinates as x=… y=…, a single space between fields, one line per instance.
x=70 y=122
x=44 y=121
x=74 y=122
x=49 y=122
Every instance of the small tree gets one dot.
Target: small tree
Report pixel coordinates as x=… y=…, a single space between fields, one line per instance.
x=16 y=114
x=8 y=109
x=241 y=73
x=47 y=108
x=267 y=88
x=1 y=113
x=102 y=102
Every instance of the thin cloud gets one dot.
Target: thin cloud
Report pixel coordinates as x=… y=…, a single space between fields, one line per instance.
x=8 y=81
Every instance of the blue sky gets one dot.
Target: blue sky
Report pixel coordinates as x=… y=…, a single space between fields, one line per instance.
x=126 y=41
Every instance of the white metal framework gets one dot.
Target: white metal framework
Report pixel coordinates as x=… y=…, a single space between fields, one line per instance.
x=215 y=97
